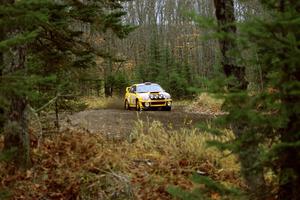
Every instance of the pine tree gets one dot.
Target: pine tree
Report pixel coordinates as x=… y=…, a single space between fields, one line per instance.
x=271 y=116
x=40 y=42
x=228 y=46
x=154 y=62
x=277 y=40
x=267 y=123
x=267 y=120
x=162 y=67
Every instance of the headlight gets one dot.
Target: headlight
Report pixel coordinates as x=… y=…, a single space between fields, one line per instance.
x=147 y=104
x=169 y=103
x=145 y=98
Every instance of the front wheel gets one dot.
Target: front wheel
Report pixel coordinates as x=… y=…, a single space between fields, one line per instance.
x=167 y=108
x=138 y=107
x=126 y=105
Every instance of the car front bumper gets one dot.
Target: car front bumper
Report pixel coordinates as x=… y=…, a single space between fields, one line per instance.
x=156 y=103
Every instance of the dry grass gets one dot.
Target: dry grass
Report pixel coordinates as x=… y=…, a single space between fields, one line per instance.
x=176 y=154
x=75 y=165
x=190 y=144
x=70 y=166
x=103 y=102
x=207 y=104
x=182 y=103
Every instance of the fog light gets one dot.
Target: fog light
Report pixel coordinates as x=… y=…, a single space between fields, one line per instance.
x=147 y=104
x=169 y=103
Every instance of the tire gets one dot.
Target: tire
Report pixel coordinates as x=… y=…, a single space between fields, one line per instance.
x=167 y=108
x=137 y=106
x=126 y=105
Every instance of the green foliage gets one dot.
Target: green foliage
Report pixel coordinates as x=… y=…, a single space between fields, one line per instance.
x=178 y=85
x=118 y=81
x=121 y=82
x=211 y=190
x=163 y=68
x=266 y=120
x=6 y=156
x=271 y=116
x=5 y=194
x=19 y=39
x=184 y=195
x=50 y=33
x=43 y=44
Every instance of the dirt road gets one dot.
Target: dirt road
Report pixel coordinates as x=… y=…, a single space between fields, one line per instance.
x=121 y=122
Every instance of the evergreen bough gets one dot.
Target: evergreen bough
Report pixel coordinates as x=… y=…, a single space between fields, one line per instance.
x=42 y=42
x=265 y=121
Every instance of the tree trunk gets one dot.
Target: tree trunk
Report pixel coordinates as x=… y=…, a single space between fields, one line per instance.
x=254 y=176
x=289 y=157
x=57 y=114
x=108 y=83
x=224 y=10
x=2 y=36
x=108 y=90
x=289 y=161
x=16 y=138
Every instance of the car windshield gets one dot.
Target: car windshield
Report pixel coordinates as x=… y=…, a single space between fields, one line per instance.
x=148 y=88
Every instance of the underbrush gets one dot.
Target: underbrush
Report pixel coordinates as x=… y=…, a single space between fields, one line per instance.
x=207 y=104
x=69 y=165
x=73 y=165
x=93 y=102
x=185 y=143
x=177 y=154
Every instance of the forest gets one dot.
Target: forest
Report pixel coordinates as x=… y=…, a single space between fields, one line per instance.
x=231 y=68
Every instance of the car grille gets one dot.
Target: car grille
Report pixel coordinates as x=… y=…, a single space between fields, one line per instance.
x=158 y=103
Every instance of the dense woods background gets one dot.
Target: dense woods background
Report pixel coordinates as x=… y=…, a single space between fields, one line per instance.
x=245 y=52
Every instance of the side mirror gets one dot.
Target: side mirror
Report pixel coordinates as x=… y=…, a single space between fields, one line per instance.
x=127 y=89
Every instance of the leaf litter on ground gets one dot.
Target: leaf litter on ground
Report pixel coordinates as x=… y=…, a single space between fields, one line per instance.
x=80 y=165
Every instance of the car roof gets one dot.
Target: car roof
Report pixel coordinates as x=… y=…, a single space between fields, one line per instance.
x=146 y=83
